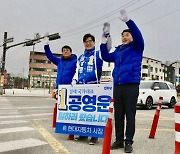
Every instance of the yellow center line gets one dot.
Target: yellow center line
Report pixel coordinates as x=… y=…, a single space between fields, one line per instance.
x=57 y=146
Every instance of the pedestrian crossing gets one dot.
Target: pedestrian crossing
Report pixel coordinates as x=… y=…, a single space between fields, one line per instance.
x=12 y=125
x=20 y=144
x=12 y=122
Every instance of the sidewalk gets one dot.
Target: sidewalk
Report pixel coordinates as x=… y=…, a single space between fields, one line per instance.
x=27 y=92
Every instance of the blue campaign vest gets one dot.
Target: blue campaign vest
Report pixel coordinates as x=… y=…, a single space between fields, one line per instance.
x=90 y=67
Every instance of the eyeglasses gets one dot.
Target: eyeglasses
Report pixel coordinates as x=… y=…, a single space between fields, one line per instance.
x=89 y=41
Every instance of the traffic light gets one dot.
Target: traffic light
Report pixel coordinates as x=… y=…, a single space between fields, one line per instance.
x=54 y=36
x=29 y=43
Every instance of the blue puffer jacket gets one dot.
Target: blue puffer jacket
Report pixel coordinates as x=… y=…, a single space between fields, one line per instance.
x=127 y=58
x=89 y=69
x=66 y=68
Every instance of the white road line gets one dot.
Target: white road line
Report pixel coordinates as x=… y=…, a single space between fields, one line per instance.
x=16 y=129
x=31 y=107
x=12 y=122
x=9 y=113
x=27 y=115
x=20 y=144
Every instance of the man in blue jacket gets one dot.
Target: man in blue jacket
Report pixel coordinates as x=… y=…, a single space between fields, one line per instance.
x=89 y=70
x=126 y=74
x=66 y=65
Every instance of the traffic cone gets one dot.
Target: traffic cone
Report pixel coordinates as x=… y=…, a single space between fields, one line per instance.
x=156 y=119
x=71 y=137
x=108 y=130
x=177 y=128
x=54 y=115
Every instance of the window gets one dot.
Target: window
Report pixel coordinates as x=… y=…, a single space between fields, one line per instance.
x=163 y=85
x=145 y=67
x=159 y=70
x=156 y=84
x=179 y=70
x=38 y=69
x=171 y=86
x=109 y=64
x=144 y=74
x=106 y=73
x=156 y=70
x=39 y=61
x=151 y=69
x=49 y=70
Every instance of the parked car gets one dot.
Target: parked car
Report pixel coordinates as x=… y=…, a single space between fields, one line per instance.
x=150 y=91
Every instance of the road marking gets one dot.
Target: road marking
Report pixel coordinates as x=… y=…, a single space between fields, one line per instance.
x=31 y=107
x=146 y=119
x=16 y=129
x=57 y=146
x=27 y=115
x=161 y=129
x=20 y=144
x=7 y=113
x=12 y=122
x=42 y=119
x=153 y=116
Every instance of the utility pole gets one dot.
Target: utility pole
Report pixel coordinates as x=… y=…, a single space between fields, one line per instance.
x=3 y=64
x=25 y=43
x=4 y=52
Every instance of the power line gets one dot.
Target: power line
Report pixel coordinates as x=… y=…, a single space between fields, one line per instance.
x=101 y=18
x=108 y=20
x=165 y=15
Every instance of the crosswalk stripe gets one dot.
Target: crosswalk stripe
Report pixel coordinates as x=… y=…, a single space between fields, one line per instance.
x=31 y=107
x=27 y=115
x=8 y=113
x=20 y=144
x=16 y=129
x=12 y=122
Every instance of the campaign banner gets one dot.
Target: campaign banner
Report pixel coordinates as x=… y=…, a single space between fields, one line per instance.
x=83 y=109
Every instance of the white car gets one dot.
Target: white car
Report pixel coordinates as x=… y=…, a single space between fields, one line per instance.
x=150 y=91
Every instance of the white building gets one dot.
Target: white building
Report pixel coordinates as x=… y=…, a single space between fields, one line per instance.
x=153 y=69
x=176 y=66
x=107 y=72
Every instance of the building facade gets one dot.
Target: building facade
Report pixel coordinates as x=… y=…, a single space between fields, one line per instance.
x=153 y=69
x=42 y=72
x=175 y=73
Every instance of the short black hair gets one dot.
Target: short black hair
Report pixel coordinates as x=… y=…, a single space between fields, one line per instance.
x=66 y=47
x=87 y=36
x=126 y=30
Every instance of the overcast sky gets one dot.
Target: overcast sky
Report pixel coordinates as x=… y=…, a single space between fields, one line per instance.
x=158 y=20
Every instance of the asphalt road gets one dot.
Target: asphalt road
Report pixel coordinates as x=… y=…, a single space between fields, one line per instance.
x=26 y=128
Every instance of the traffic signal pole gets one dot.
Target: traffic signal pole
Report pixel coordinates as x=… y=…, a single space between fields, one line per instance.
x=26 y=43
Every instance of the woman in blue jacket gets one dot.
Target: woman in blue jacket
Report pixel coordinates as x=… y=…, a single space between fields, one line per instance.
x=126 y=74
